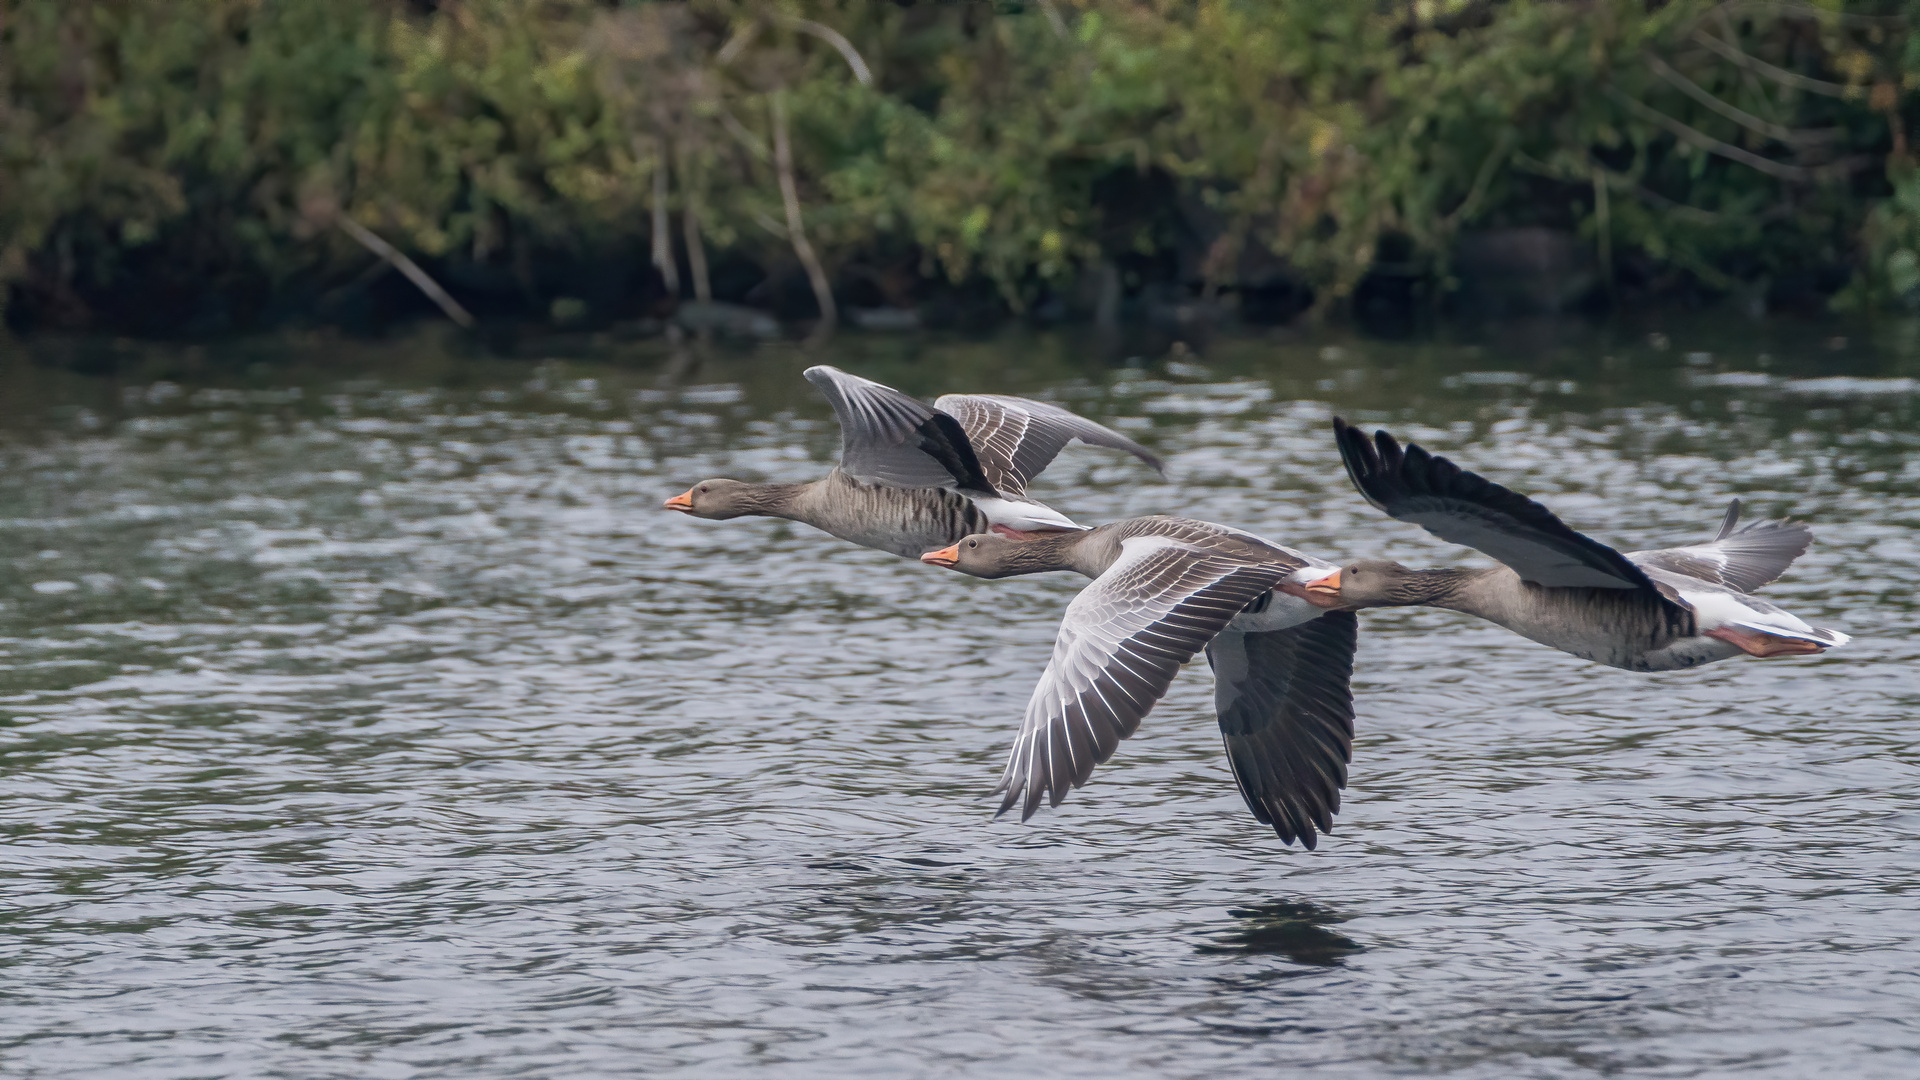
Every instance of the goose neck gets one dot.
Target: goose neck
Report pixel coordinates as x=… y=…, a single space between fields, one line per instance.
x=776 y=500
x=1454 y=590
x=1067 y=550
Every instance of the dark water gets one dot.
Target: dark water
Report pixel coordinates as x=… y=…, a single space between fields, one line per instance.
x=366 y=718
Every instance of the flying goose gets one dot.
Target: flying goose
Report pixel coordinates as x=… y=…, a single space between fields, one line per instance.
x=1164 y=588
x=1642 y=611
x=912 y=476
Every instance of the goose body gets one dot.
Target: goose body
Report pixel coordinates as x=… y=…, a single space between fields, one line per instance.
x=1656 y=610
x=901 y=521
x=1163 y=589
x=914 y=476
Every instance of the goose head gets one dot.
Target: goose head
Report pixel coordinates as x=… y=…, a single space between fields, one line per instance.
x=717 y=500
x=1364 y=584
x=991 y=555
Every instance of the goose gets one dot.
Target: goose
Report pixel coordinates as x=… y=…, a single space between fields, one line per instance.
x=912 y=476
x=1164 y=588
x=1656 y=610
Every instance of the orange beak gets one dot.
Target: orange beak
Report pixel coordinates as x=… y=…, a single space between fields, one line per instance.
x=1324 y=592
x=682 y=502
x=946 y=556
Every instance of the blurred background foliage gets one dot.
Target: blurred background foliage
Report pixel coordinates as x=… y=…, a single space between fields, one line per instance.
x=181 y=165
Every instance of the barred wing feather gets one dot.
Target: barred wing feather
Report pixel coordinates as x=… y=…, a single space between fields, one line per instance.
x=889 y=438
x=1745 y=560
x=1016 y=438
x=1121 y=642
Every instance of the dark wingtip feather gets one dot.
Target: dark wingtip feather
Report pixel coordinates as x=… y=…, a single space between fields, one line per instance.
x=1011 y=795
x=942 y=439
x=1727 y=523
x=1392 y=476
x=1362 y=461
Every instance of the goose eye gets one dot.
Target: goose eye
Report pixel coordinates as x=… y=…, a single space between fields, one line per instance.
x=704 y=487
x=973 y=543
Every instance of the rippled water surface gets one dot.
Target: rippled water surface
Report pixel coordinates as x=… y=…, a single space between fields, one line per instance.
x=365 y=717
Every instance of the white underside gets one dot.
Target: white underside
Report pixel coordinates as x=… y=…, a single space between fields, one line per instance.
x=1023 y=515
x=1283 y=611
x=1713 y=609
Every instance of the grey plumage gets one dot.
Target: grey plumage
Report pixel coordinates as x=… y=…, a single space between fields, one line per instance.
x=1462 y=508
x=1744 y=561
x=894 y=440
x=913 y=477
x=1016 y=439
x=1163 y=589
x=1288 y=721
x=1653 y=610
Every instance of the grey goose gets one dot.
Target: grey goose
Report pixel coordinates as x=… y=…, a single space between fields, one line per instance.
x=1164 y=588
x=913 y=476
x=1643 y=610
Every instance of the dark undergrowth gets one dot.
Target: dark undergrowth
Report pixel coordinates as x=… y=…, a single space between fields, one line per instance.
x=191 y=167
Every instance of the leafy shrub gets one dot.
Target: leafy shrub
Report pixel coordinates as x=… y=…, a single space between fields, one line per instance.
x=210 y=143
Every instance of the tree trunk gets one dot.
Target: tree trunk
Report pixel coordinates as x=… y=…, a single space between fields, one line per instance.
x=690 y=227
x=796 y=230
x=662 y=230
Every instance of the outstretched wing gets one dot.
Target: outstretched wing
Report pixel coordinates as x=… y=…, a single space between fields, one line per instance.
x=1744 y=561
x=1462 y=508
x=1016 y=438
x=889 y=438
x=1121 y=642
x=1285 y=703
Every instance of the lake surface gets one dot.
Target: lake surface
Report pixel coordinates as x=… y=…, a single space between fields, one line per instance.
x=364 y=716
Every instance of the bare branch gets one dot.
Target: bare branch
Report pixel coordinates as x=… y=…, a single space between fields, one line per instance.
x=408 y=267
x=1799 y=174
x=1623 y=182
x=1733 y=52
x=690 y=226
x=742 y=133
x=1481 y=179
x=1052 y=12
x=834 y=38
x=737 y=44
x=1791 y=136
x=662 y=238
x=796 y=231
x=1603 y=230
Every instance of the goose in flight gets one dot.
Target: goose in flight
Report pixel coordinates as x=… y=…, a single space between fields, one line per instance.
x=1164 y=588
x=1643 y=610
x=912 y=476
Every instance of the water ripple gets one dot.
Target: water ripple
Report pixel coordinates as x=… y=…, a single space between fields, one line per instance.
x=369 y=727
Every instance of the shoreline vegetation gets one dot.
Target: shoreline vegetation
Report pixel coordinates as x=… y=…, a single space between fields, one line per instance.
x=205 y=167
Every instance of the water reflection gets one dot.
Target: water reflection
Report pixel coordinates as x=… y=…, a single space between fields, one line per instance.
x=1295 y=929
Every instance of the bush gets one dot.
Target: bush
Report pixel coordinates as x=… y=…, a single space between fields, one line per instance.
x=160 y=156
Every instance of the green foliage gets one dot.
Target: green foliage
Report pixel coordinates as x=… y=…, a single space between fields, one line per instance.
x=1892 y=251
x=1734 y=140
